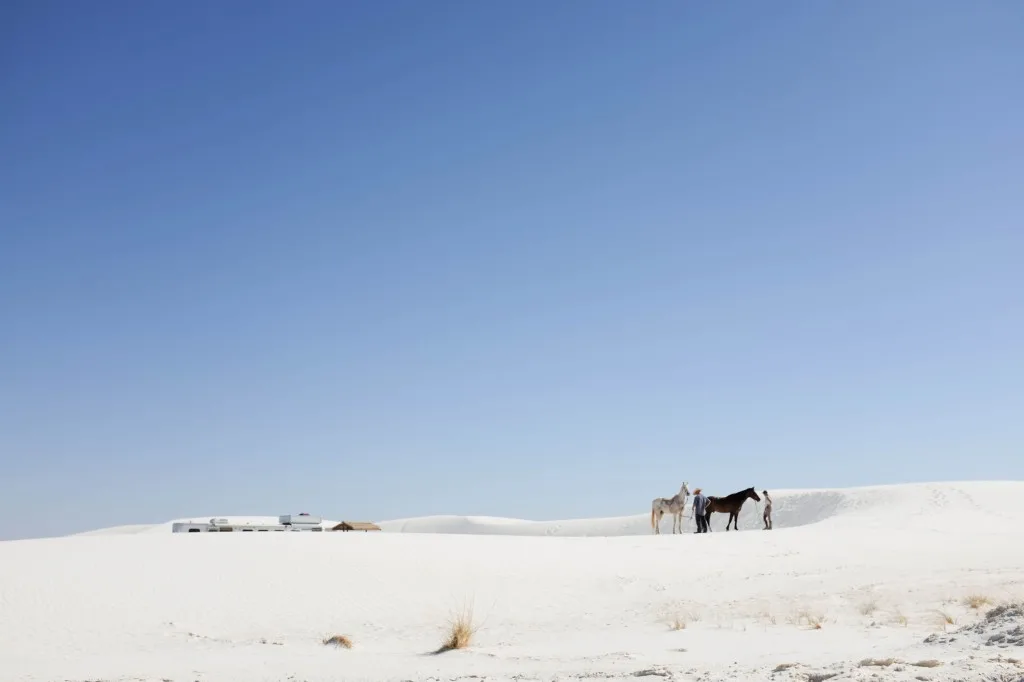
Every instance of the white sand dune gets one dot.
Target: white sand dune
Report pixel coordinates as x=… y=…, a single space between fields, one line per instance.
x=876 y=566
x=928 y=504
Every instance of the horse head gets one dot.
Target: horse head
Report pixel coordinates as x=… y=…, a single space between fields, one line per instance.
x=686 y=488
x=751 y=493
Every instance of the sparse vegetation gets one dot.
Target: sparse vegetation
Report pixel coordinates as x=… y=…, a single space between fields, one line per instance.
x=820 y=677
x=460 y=631
x=930 y=663
x=813 y=620
x=900 y=618
x=868 y=607
x=338 y=641
x=886 y=662
x=946 y=618
x=678 y=617
x=784 y=666
x=976 y=601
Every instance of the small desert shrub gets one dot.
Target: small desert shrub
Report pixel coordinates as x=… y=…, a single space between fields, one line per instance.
x=677 y=623
x=868 y=607
x=680 y=619
x=976 y=601
x=820 y=677
x=877 y=662
x=460 y=631
x=813 y=620
x=900 y=618
x=338 y=641
x=930 y=663
x=784 y=666
x=946 y=619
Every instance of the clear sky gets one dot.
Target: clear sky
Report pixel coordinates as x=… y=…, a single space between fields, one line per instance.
x=543 y=260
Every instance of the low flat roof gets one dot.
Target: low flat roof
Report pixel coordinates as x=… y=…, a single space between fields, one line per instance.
x=357 y=525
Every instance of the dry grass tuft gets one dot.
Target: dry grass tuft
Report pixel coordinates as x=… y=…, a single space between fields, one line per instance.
x=677 y=623
x=813 y=620
x=946 y=618
x=338 y=641
x=461 y=629
x=930 y=663
x=678 y=616
x=976 y=601
x=877 y=662
x=784 y=666
x=899 y=618
x=868 y=607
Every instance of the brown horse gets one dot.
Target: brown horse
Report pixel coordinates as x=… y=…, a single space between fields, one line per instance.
x=730 y=504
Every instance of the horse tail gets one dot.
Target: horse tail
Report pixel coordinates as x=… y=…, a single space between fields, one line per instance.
x=652 y=517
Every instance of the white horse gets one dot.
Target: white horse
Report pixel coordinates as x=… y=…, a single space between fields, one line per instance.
x=674 y=506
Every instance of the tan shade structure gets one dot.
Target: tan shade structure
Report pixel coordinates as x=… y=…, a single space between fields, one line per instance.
x=356 y=525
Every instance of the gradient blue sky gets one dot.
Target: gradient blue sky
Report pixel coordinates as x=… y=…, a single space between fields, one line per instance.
x=544 y=260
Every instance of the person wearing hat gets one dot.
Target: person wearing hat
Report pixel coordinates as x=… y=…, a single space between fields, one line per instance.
x=700 y=505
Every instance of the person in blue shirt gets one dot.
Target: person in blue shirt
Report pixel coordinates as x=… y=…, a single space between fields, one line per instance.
x=700 y=505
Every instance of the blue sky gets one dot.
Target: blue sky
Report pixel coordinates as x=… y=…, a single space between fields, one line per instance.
x=544 y=260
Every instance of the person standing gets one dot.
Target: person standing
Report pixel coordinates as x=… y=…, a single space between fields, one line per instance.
x=700 y=506
x=767 y=510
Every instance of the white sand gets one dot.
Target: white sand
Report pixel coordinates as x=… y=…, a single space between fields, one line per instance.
x=141 y=603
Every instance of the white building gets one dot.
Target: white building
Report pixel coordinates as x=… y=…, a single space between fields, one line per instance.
x=287 y=523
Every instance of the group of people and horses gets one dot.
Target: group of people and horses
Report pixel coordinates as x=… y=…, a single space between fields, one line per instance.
x=704 y=506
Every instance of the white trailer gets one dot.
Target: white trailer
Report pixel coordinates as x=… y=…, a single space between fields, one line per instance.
x=299 y=520
x=288 y=523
